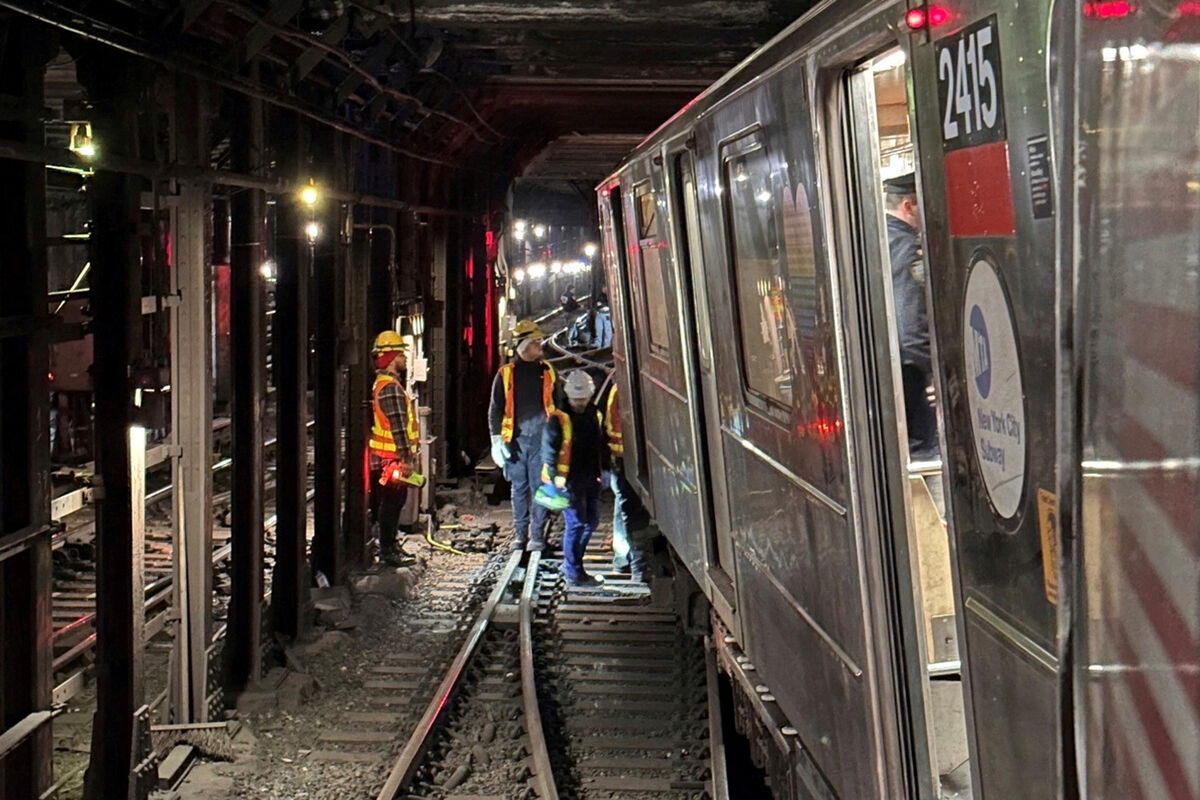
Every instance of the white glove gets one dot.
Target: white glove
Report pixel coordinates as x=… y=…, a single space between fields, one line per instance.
x=560 y=482
x=500 y=452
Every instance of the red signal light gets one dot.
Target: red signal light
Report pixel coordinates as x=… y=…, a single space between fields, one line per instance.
x=925 y=17
x=1108 y=9
x=1189 y=8
x=605 y=192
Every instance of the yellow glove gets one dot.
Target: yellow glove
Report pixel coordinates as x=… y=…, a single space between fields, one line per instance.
x=560 y=482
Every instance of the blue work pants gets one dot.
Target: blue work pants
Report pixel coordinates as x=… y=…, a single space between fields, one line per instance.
x=525 y=474
x=628 y=549
x=581 y=518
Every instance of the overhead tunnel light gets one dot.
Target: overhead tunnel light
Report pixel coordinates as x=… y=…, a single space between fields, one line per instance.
x=589 y=250
x=82 y=144
x=312 y=231
x=309 y=195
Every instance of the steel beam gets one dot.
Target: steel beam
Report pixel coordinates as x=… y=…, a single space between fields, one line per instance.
x=366 y=249
x=113 y=87
x=243 y=641
x=191 y=419
x=328 y=549
x=25 y=579
x=293 y=261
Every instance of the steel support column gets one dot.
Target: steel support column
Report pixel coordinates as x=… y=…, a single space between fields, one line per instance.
x=328 y=548
x=243 y=642
x=116 y=288
x=191 y=417
x=25 y=579
x=366 y=249
x=291 y=580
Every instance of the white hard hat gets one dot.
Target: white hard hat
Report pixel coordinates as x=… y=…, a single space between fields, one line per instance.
x=579 y=385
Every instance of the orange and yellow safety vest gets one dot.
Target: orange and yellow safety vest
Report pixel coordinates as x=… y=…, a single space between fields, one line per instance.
x=507 y=424
x=612 y=424
x=383 y=443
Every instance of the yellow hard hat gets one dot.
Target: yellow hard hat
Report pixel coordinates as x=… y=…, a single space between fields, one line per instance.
x=527 y=329
x=389 y=342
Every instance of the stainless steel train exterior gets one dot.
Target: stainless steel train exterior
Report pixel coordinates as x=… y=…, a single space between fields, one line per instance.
x=1057 y=146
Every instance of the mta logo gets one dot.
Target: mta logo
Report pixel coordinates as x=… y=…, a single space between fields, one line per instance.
x=983 y=353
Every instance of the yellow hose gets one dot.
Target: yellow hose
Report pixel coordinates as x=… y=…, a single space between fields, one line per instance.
x=441 y=545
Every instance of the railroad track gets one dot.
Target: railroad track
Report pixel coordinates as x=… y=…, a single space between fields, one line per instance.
x=615 y=683
x=73 y=599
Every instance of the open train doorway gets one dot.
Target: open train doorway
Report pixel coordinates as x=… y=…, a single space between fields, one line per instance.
x=893 y=341
x=913 y=360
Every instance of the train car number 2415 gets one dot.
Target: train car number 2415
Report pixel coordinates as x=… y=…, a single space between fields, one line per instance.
x=970 y=92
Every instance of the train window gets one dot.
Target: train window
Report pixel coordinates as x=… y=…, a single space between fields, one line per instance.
x=762 y=306
x=654 y=290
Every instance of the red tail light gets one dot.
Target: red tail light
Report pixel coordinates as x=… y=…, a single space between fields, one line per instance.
x=925 y=17
x=1108 y=9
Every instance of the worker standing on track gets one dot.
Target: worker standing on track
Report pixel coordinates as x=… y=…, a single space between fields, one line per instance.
x=630 y=519
x=522 y=399
x=395 y=444
x=573 y=448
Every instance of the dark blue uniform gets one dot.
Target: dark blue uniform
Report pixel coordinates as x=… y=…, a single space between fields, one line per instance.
x=912 y=332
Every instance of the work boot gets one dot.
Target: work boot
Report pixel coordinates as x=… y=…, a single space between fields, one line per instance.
x=621 y=569
x=397 y=559
x=518 y=543
x=586 y=581
x=535 y=545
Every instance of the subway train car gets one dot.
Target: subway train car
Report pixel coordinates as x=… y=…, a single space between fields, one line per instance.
x=1019 y=618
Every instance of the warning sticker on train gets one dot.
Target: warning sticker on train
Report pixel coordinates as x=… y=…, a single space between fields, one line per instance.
x=994 y=390
x=970 y=88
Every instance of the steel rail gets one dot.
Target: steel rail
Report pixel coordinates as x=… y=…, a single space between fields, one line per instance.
x=581 y=358
x=405 y=768
x=543 y=773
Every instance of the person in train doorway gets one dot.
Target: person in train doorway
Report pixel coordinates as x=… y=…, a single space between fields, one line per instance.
x=522 y=398
x=395 y=445
x=630 y=518
x=912 y=317
x=573 y=448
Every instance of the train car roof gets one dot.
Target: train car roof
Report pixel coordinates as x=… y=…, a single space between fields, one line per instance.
x=741 y=75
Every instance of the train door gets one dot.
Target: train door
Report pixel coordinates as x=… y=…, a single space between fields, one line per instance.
x=625 y=358
x=895 y=342
x=867 y=105
x=702 y=381
x=981 y=76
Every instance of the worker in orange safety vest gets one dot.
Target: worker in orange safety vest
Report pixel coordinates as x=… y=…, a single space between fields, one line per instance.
x=522 y=398
x=395 y=444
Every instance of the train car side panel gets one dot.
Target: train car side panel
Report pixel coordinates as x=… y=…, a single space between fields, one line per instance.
x=983 y=121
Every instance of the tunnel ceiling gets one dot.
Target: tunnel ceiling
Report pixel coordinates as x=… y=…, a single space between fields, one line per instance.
x=556 y=91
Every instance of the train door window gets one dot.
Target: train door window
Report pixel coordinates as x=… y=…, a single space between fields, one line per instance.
x=765 y=338
x=691 y=221
x=649 y=246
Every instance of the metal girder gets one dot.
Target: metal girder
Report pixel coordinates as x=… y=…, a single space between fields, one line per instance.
x=375 y=60
x=290 y=582
x=256 y=39
x=191 y=431
x=243 y=642
x=358 y=414
x=113 y=85
x=308 y=60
